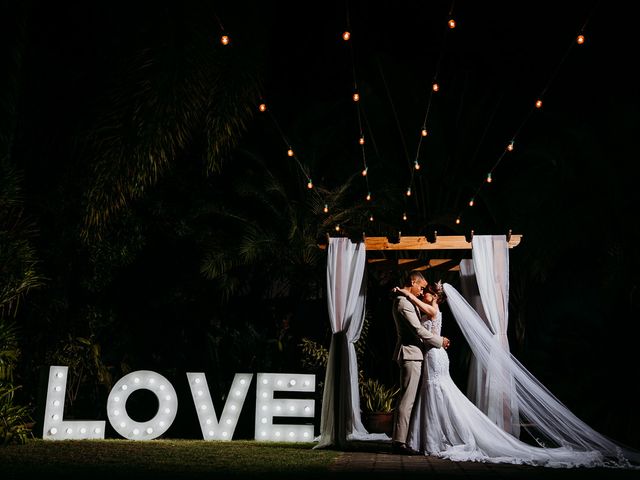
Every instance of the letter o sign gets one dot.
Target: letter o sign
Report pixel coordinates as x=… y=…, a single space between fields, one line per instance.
x=117 y=401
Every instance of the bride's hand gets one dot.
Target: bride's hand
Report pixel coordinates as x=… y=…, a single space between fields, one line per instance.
x=402 y=291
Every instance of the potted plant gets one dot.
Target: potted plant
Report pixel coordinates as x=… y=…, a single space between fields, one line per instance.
x=377 y=402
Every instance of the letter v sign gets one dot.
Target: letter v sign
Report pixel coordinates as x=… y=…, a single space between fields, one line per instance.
x=212 y=427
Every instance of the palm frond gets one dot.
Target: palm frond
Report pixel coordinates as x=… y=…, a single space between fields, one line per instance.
x=17 y=256
x=174 y=96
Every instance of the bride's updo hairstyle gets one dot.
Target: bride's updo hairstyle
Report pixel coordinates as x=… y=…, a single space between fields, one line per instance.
x=436 y=290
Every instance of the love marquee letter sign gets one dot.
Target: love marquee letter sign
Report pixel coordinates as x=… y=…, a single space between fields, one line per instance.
x=212 y=426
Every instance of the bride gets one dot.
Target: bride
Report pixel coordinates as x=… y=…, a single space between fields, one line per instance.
x=445 y=423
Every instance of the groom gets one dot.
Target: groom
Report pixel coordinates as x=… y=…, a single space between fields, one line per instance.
x=409 y=353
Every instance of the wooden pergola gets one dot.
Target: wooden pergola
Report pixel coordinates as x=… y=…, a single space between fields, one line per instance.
x=447 y=242
x=341 y=277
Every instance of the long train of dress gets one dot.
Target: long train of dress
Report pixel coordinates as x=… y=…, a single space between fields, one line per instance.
x=447 y=424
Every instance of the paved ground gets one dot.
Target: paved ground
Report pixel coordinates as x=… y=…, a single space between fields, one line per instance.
x=380 y=464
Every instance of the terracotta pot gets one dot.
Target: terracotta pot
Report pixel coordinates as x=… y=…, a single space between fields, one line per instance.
x=378 y=422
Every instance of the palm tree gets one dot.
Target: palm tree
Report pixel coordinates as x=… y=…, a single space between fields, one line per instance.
x=18 y=260
x=145 y=88
x=177 y=95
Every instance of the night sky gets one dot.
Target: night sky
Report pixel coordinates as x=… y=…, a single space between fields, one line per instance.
x=567 y=187
x=491 y=68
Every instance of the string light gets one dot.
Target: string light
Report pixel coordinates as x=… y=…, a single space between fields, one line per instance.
x=225 y=40
x=262 y=107
x=579 y=39
x=404 y=216
x=337 y=228
x=424 y=133
x=371 y=218
x=326 y=208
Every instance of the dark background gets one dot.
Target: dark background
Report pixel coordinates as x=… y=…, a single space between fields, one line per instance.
x=567 y=187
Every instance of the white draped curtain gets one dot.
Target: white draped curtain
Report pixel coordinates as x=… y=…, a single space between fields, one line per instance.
x=549 y=422
x=485 y=284
x=346 y=294
x=477 y=377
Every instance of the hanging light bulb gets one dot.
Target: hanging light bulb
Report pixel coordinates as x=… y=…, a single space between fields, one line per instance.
x=435 y=87
x=262 y=107
x=371 y=218
x=416 y=165
x=404 y=216
x=361 y=141
x=356 y=97
x=346 y=35
x=368 y=196
x=337 y=228
x=424 y=132
x=471 y=202
x=309 y=184
x=326 y=208
x=510 y=146
x=538 y=103
x=451 y=23
x=580 y=39
x=458 y=221
x=224 y=39
x=408 y=191
x=364 y=172
x=489 y=179
x=290 y=152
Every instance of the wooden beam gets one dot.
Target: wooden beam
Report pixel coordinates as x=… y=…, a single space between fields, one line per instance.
x=413 y=264
x=452 y=242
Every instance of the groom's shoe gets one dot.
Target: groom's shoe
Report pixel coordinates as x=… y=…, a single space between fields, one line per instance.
x=398 y=448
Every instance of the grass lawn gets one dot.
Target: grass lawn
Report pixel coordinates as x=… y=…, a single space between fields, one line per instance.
x=117 y=459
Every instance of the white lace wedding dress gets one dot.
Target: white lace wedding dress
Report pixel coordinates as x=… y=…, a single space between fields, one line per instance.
x=445 y=423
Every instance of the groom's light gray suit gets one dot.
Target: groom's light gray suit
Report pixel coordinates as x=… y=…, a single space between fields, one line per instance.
x=409 y=353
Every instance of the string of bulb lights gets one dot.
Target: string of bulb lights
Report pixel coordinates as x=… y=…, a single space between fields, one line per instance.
x=435 y=87
x=357 y=101
x=262 y=107
x=578 y=40
x=225 y=40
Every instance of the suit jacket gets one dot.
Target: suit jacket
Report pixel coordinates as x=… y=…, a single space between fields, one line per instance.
x=412 y=336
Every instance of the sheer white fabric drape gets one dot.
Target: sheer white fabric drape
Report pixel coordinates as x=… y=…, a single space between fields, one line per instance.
x=346 y=294
x=490 y=297
x=477 y=377
x=551 y=422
